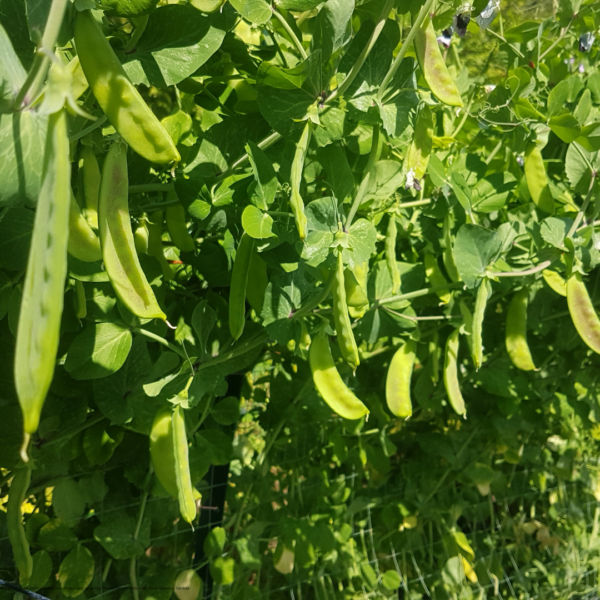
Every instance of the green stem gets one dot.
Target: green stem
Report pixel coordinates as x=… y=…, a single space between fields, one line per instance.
x=502 y=39
x=136 y=533
x=556 y=41
x=236 y=351
x=161 y=340
x=493 y=153
x=416 y=294
x=290 y=32
x=536 y=269
x=97 y=123
x=405 y=46
x=263 y=145
x=140 y=24
x=69 y=433
x=582 y=210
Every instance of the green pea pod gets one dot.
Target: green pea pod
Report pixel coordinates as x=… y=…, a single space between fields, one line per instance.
x=448 y=254
x=343 y=327
x=80 y=301
x=451 y=374
x=177 y=228
x=329 y=382
x=468 y=323
x=483 y=293
x=141 y=235
x=162 y=451
x=118 y=97
x=434 y=357
x=43 y=291
x=118 y=249
x=257 y=275
x=434 y=68
x=239 y=283
x=155 y=244
x=355 y=294
x=436 y=277
x=555 y=281
x=537 y=181
x=582 y=312
x=185 y=490
x=397 y=385
x=390 y=254
x=417 y=156
x=83 y=242
x=90 y=175
x=296 y=202
x=516 y=332
x=14 y=522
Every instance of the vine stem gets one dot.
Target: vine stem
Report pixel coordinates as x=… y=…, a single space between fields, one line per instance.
x=41 y=62
x=139 y=24
x=136 y=533
x=583 y=208
x=290 y=32
x=416 y=294
x=405 y=46
x=161 y=340
x=536 y=269
x=563 y=32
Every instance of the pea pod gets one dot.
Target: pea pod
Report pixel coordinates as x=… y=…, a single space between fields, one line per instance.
x=79 y=83
x=141 y=235
x=355 y=294
x=417 y=156
x=343 y=327
x=329 y=382
x=451 y=374
x=436 y=277
x=257 y=275
x=155 y=244
x=434 y=357
x=43 y=290
x=185 y=491
x=118 y=97
x=90 y=178
x=448 y=254
x=83 y=242
x=239 y=283
x=516 y=332
x=390 y=254
x=80 y=301
x=397 y=385
x=555 y=281
x=296 y=202
x=582 y=312
x=537 y=181
x=483 y=293
x=434 y=68
x=14 y=522
x=118 y=249
x=178 y=230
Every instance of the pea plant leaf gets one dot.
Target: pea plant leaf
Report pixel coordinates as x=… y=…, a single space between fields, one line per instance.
x=475 y=248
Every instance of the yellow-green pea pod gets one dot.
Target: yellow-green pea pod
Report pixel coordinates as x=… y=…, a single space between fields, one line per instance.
x=155 y=244
x=516 y=332
x=417 y=156
x=90 y=178
x=555 y=281
x=390 y=254
x=537 y=180
x=80 y=301
x=329 y=382
x=434 y=68
x=118 y=249
x=14 y=523
x=185 y=490
x=483 y=293
x=434 y=357
x=79 y=83
x=177 y=228
x=118 y=97
x=239 y=283
x=162 y=451
x=436 y=277
x=257 y=275
x=582 y=312
x=296 y=202
x=343 y=327
x=397 y=384
x=43 y=291
x=83 y=242
x=141 y=235
x=468 y=323
x=355 y=294
x=451 y=374
x=448 y=254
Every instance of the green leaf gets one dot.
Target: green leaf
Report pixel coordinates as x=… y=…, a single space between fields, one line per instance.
x=227 y=411
x=332 y=27
x=42 y=569
x=67 y=502
x=391 y=580
x=257 y=224
x=461 y=190
x=387 y=176
x=255 y=11
x=557 y=97
x=203 y=320
x=222 y=570
x=13 y=20
x=493 y=192
x=264 y=176
x=76 y=571
x=577 y=166
x=117 y=539
x=16 y=227
x=216 y=445
x=436 y=171
x=362 y=238
x=55 y=536
x=299 y=5
x=566 y=127
x=554 y=230
x=98 y=351
x=100 y=441
x=214 y=542
x=339 y=175
x=322 y=218
x=475 y=248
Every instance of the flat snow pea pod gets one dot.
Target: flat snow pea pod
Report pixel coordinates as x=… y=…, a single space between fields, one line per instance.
x=434 y=357
x=582 y=312
x=90 y=178
x=483 y=293
x=434 y=68
x=162 y=450
x=448 y=254
x=555 y=281
x=83 y=242
x=155 y=244
x=390 y=254
x=417 y=156
x=239 y=283
x=43 y=290
x=329 y=382
x=451 y=374
x=118 y=97
x=80 y=301
x=141 y=234
x=516 y=332
x=118 y=249
x=257 y=275
x=436 y=277
x=397 y=384
x=296 y=202
x=177 y=228
x=185 y=490
x=355 y=294
x=537 y=180
x=343 y=327
x=14 y=522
